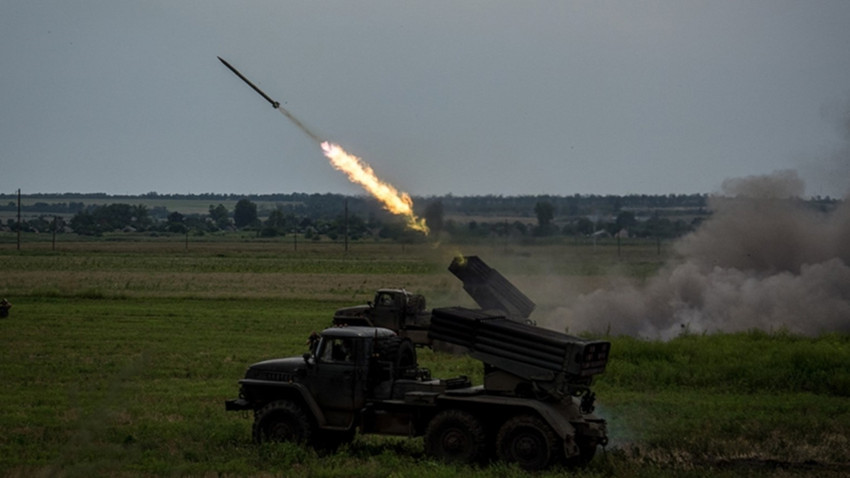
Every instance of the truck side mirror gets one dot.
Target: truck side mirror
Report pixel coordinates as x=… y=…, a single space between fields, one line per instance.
x=306 y=357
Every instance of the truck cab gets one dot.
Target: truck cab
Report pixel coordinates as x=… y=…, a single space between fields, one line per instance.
x=394 y=309
x=346 y=367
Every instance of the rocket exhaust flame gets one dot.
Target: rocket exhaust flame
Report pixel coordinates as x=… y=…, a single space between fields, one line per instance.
x=361 y=173
x=357 y=170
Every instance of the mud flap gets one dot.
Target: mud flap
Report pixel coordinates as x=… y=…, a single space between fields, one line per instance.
x=236 y=405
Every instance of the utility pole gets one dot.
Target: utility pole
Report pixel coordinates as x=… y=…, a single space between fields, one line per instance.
x=346 y=225
x=507 y=235
x=657 y=235
x=19 y=219
x=619 y=252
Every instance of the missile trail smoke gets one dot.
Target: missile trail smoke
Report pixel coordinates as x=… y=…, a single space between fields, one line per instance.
x=300 y=125
x=357 y=170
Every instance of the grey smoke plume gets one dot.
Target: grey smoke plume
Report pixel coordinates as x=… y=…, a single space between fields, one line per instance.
x=764 y=260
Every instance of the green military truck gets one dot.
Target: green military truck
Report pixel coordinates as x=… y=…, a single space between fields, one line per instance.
x=394 y=309
x=535 y=407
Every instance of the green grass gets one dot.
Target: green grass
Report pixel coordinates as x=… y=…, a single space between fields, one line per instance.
x=749 y=362
x=117 y=362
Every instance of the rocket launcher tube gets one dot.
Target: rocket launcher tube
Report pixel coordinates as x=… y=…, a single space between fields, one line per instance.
x=551 y=360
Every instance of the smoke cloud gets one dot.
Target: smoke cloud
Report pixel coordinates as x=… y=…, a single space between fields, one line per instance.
x=764 y=260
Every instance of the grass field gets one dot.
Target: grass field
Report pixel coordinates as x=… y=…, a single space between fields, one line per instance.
x=117 y=357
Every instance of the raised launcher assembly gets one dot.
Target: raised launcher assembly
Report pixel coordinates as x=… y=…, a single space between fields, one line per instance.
x=490 y=290
x=520 y=358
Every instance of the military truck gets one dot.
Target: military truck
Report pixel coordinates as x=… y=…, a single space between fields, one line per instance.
x=534 y=408
x=406 y=313
x=394 y=309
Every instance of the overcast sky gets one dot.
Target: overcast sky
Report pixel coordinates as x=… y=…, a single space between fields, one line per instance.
x=460 y=97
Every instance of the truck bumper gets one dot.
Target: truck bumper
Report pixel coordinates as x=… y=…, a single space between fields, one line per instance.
x=236 y=405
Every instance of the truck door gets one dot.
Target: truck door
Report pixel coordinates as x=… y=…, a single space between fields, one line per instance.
x=339 y=379
x=388 y=309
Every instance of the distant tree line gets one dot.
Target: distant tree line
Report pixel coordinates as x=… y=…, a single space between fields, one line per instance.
x=323 y=215
x=44 y=207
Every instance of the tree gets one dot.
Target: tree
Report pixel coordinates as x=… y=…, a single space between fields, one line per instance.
x=110 y=218
x=626 y=220
x=434 y=217
x=245 y=214
x=176 y=223
x=219 y=216
x=584 y=226
x=545 y=213
x=275 y=224
x=84 y=223
x=391 y=230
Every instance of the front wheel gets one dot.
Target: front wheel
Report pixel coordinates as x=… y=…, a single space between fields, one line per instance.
x=280 y=421
x=529 y=442
x=456 y=436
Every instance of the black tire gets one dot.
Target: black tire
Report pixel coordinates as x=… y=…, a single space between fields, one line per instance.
x=282 y=421
x=399 y=352
x=529 y=442
x=406 y=358
x=456 y=436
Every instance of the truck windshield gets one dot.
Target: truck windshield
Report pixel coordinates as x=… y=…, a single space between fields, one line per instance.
x=385 y=300
x=338 y=350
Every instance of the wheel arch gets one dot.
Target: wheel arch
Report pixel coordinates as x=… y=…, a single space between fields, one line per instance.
x=282 y=420
x=507 y=407
x=272 y=391
x=457 y=435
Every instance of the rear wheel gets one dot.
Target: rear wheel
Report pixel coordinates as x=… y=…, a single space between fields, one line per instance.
x=280 y=421
x=398 y=351
x=456 y=436
x=529 y=442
